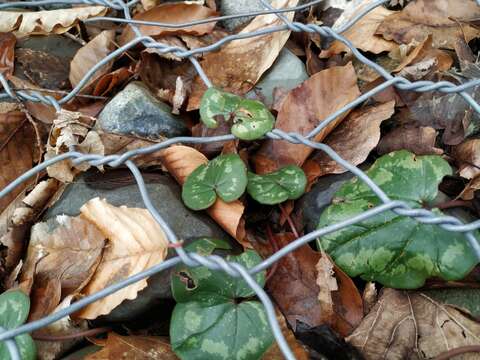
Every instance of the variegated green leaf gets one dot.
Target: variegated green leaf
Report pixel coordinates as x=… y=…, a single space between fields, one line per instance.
x=288 y=183
x=397 y=251
x=224 y=176
x=215 y=317
x=14 y=309
x=250 y=118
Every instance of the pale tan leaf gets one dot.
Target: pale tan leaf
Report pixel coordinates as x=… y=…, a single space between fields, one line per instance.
x=46 y=22
x=467 y=156
x=411 y=325
x=304 y=108
x=419 y=140
x=362 y=35
x=136 y=243
x=88 y=56
x=353 y=140
x=326 y=283
x=445 y=20
x=180 y=161
x=238 y=66
x=134 y=347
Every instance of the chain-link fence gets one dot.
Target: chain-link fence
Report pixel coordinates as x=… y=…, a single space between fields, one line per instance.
x=215 y=262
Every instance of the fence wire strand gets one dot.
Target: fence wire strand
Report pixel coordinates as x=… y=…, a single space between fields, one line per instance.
x=214 y=262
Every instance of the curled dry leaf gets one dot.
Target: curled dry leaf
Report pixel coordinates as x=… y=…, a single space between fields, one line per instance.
x=181 y=161
x=134 y=347
x=88 y=56
x=71 y=130
x=304 y=108
x=411 y=325
x=7 y=53
x=62 y=255
x=294 y=288
x=467 y=156
x=419 y=140
x=46 y=22
x=173 y=14
x=353 y=140
x=238 y=66
x=445 y=20
x=17 y=151
x=469 y=192
x=362 y=34
x=136 y=243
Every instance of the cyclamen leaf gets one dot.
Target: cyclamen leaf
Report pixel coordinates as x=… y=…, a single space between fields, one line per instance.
x=397 y=251
x=224 y=176
x=14 y=309
x=288 y=183
x=251 y=119
x=212 y=319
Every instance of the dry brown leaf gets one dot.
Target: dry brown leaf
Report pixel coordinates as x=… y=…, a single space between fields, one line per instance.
x=17 y=152
x=419 y=140
x=238 y=66
x=7 y=53
x=362 y=35
x=71 y=130
x=62 y=256
x=136 y=243
x=467 y=156
x=353 y=140
x=134 y=347
x=88 y=56
x=174 y=14
x=180 y=162
x=445 y=20
x=23 y=23
x=327 y=284
x=469 y=192
x=304 y=108
x=411 y=325
x=295 y=290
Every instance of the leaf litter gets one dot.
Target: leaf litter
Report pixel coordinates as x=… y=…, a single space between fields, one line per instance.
x=342 y=297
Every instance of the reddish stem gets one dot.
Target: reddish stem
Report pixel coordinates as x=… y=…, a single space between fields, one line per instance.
x=85 y=333
x=273 y=242
x=289 y=220
x=455 y=203
x=458 y=351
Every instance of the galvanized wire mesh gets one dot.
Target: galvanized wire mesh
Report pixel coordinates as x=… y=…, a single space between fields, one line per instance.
x=215 y=262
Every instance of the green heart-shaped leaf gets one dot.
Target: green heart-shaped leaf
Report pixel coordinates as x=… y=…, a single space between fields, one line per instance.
x=397 y=251
x=288 y=183
x=14 y=309
x=251 y=119
x=214 y=319
x=225 y=176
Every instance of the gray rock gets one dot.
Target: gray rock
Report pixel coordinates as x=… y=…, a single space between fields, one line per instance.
x=287 y=72
x=234 y=7
x=319 y=197
x=119 y=188
x=135 y=111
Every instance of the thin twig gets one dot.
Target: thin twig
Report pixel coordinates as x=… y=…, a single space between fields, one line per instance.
x=289 y=220
x=61 y=92
x=274 y=244
x=458 y=351
x=89 y=332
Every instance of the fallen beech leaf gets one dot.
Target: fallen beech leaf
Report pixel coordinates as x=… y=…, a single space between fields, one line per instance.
x=294 y=288
x=419 y=140
x=136 y=243
x=353 y=140
x=445 y=20
x=411 y=325
x=71 y=130
x=467 y=156
x=174 y=14
x=16 y=219
x=63 y=254
x=180 y=162
x=108 y=82
x=88 y=56
x=238 y=66
x=362 y=34
x=7 y=53
x=23 y=23
x=17 y=152
x=134 y=347
x=303 y=109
